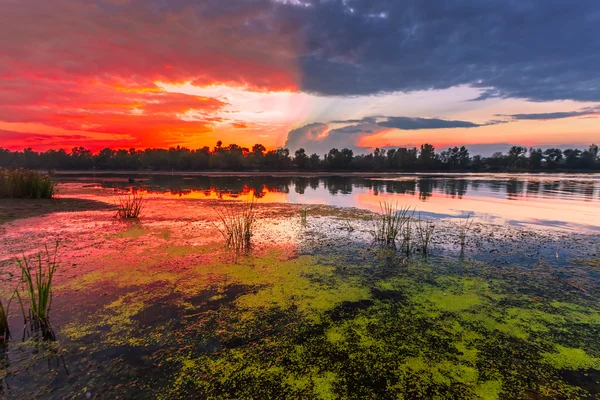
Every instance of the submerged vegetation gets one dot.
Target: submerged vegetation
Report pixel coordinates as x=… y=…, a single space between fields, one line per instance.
x=25 y=184
x=237 y=225
x=37 y=283
x=131 y=205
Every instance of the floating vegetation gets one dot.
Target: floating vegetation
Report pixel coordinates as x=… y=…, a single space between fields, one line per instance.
x=237 y=224
x=463 y=230
x=425 y=230
x=389 y=223
x=37 y=283
x=25 y=184
x=131 y=205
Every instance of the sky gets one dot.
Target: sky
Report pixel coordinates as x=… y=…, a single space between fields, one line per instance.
x=314 y=74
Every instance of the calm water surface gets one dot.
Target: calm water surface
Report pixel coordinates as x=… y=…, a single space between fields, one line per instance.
x=563 y=201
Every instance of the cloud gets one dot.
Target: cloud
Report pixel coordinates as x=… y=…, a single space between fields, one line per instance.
x=537 y=50
x=320 y=138
x=408 y=123
x=585 y=112
x=93 y=65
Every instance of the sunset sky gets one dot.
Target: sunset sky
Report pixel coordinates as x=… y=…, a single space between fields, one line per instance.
x=315 y=74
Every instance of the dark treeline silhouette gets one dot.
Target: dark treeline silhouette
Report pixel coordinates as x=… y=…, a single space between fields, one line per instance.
x=236 y=158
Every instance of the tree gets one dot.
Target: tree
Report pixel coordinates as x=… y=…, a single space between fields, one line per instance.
x=427 y=156
x=301 y=159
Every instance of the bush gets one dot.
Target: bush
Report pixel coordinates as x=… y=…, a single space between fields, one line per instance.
x=25 y=184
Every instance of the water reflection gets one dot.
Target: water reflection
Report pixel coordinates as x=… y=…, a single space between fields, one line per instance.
x=566 y=201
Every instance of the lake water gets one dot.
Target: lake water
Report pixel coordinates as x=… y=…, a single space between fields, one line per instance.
x=561 y=201
x=159 y=307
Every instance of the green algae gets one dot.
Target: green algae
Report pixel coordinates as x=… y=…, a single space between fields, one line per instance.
x=570 y=358
x=277 y=325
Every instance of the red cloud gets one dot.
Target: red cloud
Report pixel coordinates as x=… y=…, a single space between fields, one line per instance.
x=91 y=66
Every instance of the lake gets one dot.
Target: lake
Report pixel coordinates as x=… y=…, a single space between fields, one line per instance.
x=566 y=201
x=489 y=287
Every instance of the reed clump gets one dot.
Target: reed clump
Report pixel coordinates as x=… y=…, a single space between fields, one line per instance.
x=37 y=287
x=25 y=184
x=425 y=230
x=389 y=223
x=237 y=225
x=130 y=206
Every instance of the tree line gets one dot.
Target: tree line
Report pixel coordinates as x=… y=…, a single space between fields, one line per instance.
x=237 y=158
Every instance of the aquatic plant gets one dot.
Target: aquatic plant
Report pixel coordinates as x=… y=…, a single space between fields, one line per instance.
x=25 y=184
x=131 y=205
x=303 y=215
x=237 y=224
x=37 y=282
x=347 y=224
x=388 y=224
x=4 y=329
x=463 y=229
x=407 y=237
x=425 y=230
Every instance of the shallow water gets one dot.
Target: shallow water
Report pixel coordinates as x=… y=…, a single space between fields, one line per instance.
x=157 y=308
x=566 y=201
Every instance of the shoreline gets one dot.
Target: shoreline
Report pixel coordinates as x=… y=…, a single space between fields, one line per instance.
x=301 y=174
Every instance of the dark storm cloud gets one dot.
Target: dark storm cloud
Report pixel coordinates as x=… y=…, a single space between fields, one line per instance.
x=407 y=123
x=586 y=112
x=540 y=49
x=414 y=123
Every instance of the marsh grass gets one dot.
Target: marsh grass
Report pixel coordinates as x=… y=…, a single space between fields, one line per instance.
x=25 y=184
x=37 y=283
x=303 y=216
x=389 y=223
x=407 y=242
x=347 y=224
x=236 y=224
x=425 y=230
x=4 y=328
x=131 y=205
x=463 y=230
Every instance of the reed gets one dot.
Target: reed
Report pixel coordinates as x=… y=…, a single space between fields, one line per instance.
x=389 y=223
x=303 y=216
x=131 y=205
x=425 y=230
x=237 y=225
x=4 y=328
x=407 y=237
x=463 y=229
x=37 y=282
x=25 y=184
